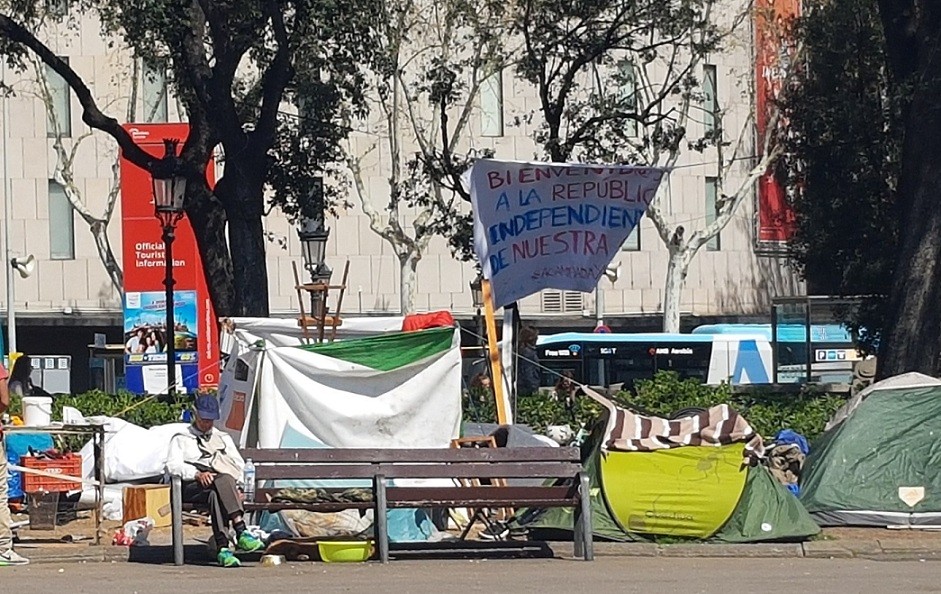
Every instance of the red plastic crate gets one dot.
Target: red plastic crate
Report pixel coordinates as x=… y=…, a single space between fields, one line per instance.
x=70 y=465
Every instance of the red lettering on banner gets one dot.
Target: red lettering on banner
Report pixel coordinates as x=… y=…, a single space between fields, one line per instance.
x=496 y=179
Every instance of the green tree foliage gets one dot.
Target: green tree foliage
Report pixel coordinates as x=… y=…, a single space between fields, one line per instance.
x=620 y=82
x=240 y=68
x=842 y=147
x=590 y=63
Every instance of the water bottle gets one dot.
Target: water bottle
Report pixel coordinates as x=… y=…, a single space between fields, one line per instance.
x=249 y=480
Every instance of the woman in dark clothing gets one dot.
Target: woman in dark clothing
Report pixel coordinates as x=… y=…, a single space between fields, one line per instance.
x=20 y=382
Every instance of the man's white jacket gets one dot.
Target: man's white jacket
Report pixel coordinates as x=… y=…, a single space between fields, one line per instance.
x=186 y=457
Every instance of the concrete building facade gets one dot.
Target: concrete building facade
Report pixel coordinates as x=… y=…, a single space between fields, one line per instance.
x=71 y=295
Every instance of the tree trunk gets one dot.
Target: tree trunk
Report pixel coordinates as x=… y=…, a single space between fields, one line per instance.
x=241 y=193
x=247 y=243
x=408 y=263
x=677 y=268
x=208 y=220
x=912 y=338
x=247 y=246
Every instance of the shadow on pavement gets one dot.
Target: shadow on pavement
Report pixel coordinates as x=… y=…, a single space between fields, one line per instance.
x=198 y=554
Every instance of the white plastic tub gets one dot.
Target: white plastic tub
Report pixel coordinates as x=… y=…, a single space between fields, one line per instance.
x=37 y=411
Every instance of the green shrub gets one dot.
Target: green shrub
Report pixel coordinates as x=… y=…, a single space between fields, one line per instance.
x=131 y=407
x=806 y=412
x=537 y=411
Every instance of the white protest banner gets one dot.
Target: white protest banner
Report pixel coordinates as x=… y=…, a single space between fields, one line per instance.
x=552 y=225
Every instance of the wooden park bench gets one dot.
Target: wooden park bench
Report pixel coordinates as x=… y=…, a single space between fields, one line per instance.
x=471 y=470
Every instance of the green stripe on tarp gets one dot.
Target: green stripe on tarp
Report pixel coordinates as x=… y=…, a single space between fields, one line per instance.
x=387 y=351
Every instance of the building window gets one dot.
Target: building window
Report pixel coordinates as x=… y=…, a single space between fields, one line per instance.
x=632 y=243
x=628 y=93
x=491 y=105
x=61 y=224
x=712 y=211
x=562 y=301
x=710 y=102
x=154 y=92
x=59 y=112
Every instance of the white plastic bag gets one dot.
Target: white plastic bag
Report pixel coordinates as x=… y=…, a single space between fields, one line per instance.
x=138 y=530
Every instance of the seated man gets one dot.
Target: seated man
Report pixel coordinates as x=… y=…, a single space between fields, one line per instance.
x=211 y=468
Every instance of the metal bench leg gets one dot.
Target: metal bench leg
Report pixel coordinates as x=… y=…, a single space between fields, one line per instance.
x=578 y=541
x=584 y=491
x=381 y=520
x=176 y=507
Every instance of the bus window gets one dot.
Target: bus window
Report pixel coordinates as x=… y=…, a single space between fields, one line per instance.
x=606 y=359
x=688 y=360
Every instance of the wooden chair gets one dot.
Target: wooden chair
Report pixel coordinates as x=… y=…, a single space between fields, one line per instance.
x=320 y=293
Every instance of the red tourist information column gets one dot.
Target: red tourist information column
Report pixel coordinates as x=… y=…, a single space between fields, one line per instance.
x=195 y=334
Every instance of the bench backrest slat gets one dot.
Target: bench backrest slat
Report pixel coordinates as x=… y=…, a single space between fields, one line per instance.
x=465 y=470
x=373 y=455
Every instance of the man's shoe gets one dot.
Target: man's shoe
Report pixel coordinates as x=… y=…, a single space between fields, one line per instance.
x=227 y=558
x=249 y=543
x=11 y=557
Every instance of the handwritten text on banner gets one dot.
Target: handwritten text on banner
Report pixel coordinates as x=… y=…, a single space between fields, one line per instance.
x=553 y=226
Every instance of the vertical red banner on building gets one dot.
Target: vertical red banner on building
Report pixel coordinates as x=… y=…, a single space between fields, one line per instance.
x=195 y=335
x=773 y=49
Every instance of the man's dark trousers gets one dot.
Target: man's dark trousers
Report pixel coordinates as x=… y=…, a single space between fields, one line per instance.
x=223 y=499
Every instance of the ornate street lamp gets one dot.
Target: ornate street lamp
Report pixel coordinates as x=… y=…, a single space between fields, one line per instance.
x=169 y=190
x=314 y=238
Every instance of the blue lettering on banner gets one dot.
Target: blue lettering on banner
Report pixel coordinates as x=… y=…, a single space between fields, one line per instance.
x=748 y=363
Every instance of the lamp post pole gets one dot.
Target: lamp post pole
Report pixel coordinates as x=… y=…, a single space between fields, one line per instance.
x=477 y=296
x=7 y=198
x=168 y=282
x=169 y=190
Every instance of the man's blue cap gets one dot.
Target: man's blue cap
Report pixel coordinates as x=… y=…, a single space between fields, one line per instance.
x=207 y=407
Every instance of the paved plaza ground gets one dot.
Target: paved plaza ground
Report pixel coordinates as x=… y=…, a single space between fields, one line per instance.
x=519 y=576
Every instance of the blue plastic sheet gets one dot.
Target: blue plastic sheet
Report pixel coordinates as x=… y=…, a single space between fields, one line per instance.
x=789 y=436
x=18 y=445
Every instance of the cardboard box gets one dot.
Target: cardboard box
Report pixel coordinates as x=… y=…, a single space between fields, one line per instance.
x=148 y=500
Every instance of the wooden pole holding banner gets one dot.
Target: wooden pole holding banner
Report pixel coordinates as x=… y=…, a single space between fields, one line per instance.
x=496 y=369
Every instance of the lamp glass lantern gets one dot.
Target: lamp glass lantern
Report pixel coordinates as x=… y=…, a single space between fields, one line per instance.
x=169 y=186
x=314 y=238
x=477 y=292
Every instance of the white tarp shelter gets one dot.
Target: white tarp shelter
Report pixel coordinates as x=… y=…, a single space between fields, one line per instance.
x=397 y=389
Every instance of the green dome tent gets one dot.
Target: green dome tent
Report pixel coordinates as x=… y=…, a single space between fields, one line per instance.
x=880 y=462
x=699 y=491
